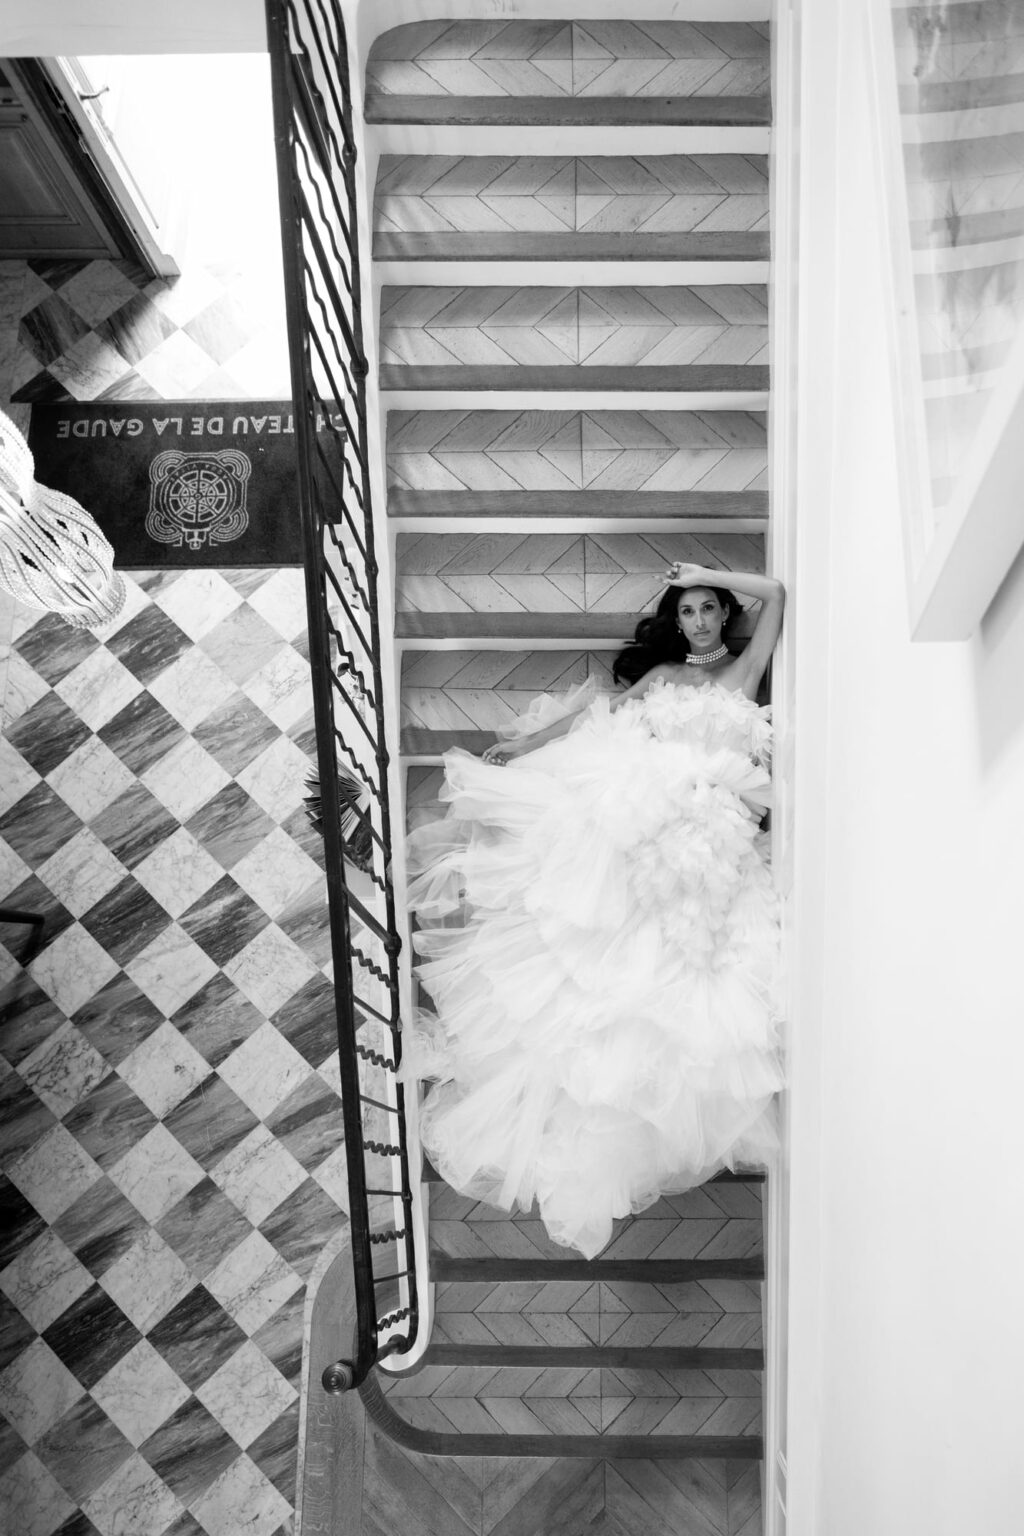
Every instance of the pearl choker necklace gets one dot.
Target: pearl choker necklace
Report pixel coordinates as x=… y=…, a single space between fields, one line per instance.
x=705 y=658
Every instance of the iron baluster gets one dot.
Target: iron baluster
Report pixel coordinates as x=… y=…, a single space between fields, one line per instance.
x=314 y=142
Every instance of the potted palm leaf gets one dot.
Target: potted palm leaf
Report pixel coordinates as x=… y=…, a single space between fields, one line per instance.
x=354 y=806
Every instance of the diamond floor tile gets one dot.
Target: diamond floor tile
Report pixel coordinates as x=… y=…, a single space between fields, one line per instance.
x=112 y=1112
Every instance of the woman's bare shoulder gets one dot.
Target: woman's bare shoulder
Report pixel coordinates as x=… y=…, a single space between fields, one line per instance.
x=668 y=672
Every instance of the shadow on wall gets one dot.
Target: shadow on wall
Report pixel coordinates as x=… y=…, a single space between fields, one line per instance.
x=999 y=667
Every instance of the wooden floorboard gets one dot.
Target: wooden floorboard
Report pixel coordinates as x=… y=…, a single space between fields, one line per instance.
x=527 y=111
x=678 y=505
x=534 y=245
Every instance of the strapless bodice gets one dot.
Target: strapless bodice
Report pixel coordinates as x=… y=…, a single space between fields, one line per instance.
x=705 y=714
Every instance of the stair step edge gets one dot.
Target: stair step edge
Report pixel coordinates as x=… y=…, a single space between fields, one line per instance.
x=725 y=1176
x=684 y=378
x=586 y=628
x=607 y=1356
x=618 y=1447
x=696 y=506
x=591 y=111
x=542 y=245
x=658 y=1271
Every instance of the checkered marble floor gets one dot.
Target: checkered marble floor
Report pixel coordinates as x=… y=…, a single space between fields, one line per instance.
x=170 y=1128
x=104 y=330
x=170 y=1131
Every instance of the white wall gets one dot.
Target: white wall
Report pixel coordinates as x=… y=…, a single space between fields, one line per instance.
x=906 y=1328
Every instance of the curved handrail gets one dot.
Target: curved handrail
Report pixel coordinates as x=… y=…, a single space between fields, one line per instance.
x=315 y=164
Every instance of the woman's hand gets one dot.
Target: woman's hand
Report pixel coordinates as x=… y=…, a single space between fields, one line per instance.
x=682 y=574
x=501 y=752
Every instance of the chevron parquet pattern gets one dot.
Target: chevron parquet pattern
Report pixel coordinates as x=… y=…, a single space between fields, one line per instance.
x=485 y=690
x=443 y=205
x=575 y=1400
x=593 y=58
x=563 y=451
x=559 y=193
x=724 y=1314
x=614 y=573
x=677 y=1306
x=717 y=1221
x=513 y=329
x=491 y=1496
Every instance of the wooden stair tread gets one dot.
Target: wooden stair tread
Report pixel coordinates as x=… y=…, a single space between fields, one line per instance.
x=422 y=741
x=606 y=1447
x=543 y=245
x=700 y=506
x=695 y=378
x=418 y=741
x=669 y=73
x=661 y=1271
x=622 y=1356
x=516 y=626
x=383 y=1409
x=589 y=111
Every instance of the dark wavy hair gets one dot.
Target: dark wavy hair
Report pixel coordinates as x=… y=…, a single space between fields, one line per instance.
x=659 y=639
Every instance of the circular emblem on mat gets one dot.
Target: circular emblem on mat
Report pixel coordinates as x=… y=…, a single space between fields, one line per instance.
x=198 y=498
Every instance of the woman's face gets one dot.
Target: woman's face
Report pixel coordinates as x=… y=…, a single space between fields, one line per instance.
x=700 y=617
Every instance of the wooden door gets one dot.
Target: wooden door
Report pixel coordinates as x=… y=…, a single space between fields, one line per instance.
x=45 y=210
x=64 y=188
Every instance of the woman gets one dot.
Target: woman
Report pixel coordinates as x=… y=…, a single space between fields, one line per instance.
x=605 y=1025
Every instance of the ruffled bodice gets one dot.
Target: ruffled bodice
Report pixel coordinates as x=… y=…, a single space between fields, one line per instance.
x=707 y=713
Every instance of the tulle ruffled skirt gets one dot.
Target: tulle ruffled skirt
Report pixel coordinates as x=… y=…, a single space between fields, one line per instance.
x=599 y=937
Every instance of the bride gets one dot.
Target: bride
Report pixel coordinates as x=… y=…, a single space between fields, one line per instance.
x=599 y=931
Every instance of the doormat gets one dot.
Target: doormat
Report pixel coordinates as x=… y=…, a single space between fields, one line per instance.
x=180 y=482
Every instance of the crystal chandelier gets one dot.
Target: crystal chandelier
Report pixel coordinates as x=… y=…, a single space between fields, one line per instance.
x=52 y=554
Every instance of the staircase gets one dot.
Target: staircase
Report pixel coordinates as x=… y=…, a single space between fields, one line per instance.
x=653 y=1350
x=572 y=356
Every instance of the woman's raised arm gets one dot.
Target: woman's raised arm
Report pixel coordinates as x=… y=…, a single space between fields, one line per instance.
x=766 y=589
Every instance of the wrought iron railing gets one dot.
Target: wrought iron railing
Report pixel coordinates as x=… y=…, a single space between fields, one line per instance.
x=316 y=156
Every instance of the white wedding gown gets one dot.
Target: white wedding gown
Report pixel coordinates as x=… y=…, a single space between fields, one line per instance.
x=599 y=938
